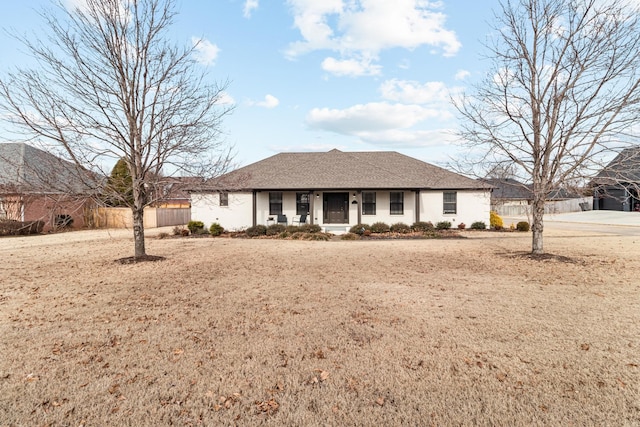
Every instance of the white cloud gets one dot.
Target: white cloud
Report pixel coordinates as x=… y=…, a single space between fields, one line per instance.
x=350 y=67
x=410 y=138
x=250 y=6
x=206 y=52
x=412 y=92
x=363 y=28
x=462 y=74
x=270 y=101
x=372 y=117
x=225 y=99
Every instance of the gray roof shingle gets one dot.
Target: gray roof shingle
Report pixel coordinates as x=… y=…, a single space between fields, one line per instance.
x=27 y=169
x=335 y=170
x=624 y=168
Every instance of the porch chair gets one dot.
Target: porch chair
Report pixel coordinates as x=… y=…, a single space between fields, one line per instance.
x=302 y=219
x=282 y=219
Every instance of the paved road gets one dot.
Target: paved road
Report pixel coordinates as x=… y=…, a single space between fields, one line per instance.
x=609 y=222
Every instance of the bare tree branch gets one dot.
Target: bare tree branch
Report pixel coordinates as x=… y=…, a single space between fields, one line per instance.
x=562 y=92
x=108 y=85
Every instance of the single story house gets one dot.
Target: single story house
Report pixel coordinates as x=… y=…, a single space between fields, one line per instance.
x=617 y=185
x=38 y=186
x=337 y=190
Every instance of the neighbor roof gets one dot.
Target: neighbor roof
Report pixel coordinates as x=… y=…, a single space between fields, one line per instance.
x=625 y=167
x=512 y=189
x=24 y=168
x=335 y=170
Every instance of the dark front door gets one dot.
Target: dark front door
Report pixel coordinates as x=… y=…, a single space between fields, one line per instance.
x=336 y=208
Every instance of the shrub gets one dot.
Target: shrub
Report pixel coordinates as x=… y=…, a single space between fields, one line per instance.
x=195 y=226
x=178 y=231
x=359 y=229
x=184 y=232
x=495 y=220
x=422 y=226
x=256 y=230
x=400 y=227
x=379 y=227
x=163 y=235
x=14 y=228
x=310 y=228
x=274 y=229
x=478 y=225
x=325 y=237
x=349 y=236
x=366 y=233
x=216 y=229
x=292 y=229
x=522 y=226
x=443 y=225
x=462 y=226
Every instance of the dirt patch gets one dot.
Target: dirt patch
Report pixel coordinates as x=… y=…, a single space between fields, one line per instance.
x=280 y=332
x=138 y=259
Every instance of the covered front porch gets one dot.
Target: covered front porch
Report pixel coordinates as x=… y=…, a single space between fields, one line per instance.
x=336 y=210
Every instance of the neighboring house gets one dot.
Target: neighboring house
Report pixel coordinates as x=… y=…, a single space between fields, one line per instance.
x=38 y=186
x=337 y=190
x=617 y=186
x=511 y=197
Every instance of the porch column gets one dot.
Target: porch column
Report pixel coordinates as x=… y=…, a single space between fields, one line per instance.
x=312 y=197
x=417 y=215
x=255 y=208
x=359 y=200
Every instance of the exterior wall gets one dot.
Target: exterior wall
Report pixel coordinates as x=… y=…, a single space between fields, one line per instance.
x=472 y=206
x=46 y=207
x=237 y=216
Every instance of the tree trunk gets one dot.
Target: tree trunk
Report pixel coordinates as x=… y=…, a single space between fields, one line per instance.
x=538 y=225
x=138 y=232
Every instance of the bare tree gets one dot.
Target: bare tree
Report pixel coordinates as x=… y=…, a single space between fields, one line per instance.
x=108 y=85
x=563 y=88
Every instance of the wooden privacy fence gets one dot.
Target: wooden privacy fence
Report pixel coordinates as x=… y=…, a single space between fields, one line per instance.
x=153 y=217
x=551 y=207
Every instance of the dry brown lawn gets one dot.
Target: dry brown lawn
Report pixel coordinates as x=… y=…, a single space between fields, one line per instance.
x=271 y=332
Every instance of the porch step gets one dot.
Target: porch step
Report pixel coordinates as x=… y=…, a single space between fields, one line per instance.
x=336 y=229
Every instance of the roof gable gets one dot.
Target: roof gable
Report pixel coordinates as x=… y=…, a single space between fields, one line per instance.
x=342 y=170
x=625 y=167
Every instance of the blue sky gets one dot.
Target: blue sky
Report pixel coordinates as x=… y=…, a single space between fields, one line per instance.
x=312 y=75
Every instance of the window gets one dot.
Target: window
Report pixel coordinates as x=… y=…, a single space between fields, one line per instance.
x=396 y=204
x=450 y=202
x=224 y=199
x=368 y=203
x=302 y=203
x=275 y=203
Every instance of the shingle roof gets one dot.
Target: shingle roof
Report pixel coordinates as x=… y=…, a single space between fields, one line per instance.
x=625 y=167
x=341 y=170
x=27 y=169
x=511 y=189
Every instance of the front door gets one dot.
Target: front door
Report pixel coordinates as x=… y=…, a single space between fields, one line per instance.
x=336 y=208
